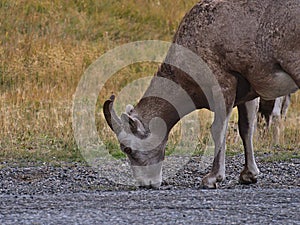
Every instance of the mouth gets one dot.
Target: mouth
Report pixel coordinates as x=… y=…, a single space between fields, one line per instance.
x=148 y=177
x=154 y=186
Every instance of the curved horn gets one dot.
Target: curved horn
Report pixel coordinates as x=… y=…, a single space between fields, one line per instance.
x=111 y=117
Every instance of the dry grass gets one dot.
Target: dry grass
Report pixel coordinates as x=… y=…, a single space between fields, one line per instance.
x=45 y=46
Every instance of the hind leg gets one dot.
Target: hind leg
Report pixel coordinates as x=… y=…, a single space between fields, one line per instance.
x=247 y=119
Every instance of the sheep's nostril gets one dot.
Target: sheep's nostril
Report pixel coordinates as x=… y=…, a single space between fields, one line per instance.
x=145 y=187
x=144 y=184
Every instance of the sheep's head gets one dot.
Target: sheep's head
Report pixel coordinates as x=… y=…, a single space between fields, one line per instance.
x=144 y=144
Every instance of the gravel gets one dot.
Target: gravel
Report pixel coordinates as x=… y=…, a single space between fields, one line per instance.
x=37 y=178
x=72 y=193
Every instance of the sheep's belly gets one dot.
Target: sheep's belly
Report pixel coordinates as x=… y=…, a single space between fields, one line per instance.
x=274 y=85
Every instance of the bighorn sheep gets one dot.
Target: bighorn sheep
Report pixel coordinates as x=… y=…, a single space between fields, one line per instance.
x=273 y=111
x=252 y=49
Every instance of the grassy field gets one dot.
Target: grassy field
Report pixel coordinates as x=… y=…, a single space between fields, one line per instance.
x=45 y=47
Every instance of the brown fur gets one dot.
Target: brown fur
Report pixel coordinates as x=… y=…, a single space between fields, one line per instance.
x=252 y=48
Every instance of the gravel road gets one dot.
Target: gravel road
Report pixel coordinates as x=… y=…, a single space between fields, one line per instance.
x=36 y=193
x=155 y=207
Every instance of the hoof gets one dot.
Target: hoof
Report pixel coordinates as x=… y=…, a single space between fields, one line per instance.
x=211 y=181
x=205 y=186
x=247 y=177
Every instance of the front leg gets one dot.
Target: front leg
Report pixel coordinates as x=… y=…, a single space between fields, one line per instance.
x=247 y=121
x=217 y=173
x=222 y=111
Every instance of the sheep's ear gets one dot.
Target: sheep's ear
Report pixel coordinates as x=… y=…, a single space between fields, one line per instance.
x=128 y=123
x=133 y=125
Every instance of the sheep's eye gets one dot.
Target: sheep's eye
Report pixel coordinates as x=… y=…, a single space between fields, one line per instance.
x=127 y=150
